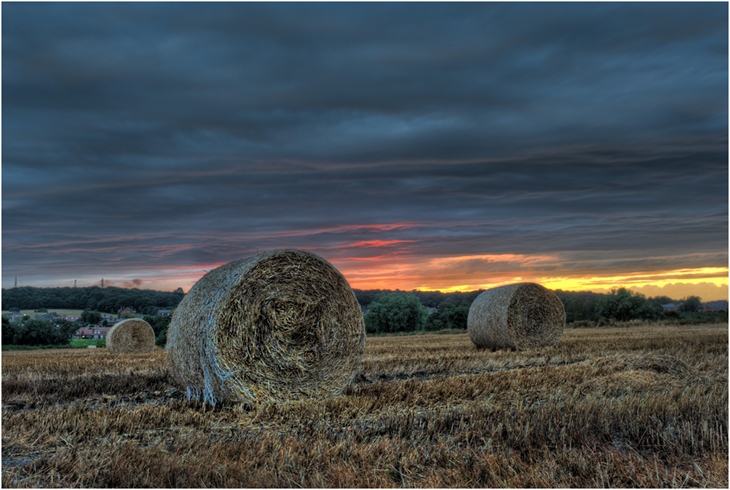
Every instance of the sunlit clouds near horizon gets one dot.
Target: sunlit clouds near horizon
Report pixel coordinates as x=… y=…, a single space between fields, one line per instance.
x=429 y=146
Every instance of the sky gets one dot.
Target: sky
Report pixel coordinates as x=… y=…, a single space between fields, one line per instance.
x=430 y=146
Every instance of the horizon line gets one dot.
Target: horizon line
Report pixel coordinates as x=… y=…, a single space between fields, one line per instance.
x=424 y=290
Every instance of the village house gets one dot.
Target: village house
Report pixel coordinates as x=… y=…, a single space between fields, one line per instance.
x=164 y=312
x=110 y=319
x=127 y=311
x=92 y=332
x=720 y=305
x=715 y=306
x=51 y=317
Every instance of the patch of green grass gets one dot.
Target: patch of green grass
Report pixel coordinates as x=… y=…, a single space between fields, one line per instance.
x=84 y=343
x=74 y=344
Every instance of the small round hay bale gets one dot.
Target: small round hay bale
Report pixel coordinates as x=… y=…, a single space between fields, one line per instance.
x=517 y=316
x=133 y=336
x=282 y=325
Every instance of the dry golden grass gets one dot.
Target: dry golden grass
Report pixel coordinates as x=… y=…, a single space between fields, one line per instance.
x=613 y=407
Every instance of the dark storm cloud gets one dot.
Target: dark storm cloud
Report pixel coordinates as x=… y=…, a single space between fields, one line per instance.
x=193 y=133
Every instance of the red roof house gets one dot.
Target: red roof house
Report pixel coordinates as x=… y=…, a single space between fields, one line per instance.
x=92 y=332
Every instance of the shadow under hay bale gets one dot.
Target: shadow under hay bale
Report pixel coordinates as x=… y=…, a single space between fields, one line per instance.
x=133 y=336
x=517 y=316
x=281 y=325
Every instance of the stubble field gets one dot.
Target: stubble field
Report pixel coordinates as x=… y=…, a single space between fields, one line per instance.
x=606 y=407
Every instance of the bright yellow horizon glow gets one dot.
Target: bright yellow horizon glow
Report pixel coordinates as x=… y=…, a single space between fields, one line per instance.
x=401 y=270
x=689 y=276
x=710 y=275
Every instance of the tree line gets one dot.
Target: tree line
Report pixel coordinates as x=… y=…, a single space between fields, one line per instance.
x=106 y=300
x=402 y=311
x=32 y=331
x=389 y=311
x=385 y=311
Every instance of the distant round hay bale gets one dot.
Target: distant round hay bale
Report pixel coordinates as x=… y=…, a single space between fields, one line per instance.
x=133 y=336
x=518 y=316
x=281 y=325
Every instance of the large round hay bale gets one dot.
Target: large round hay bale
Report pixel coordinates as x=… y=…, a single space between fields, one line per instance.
x=518 y=316
x=133 y=336
x=281 y=325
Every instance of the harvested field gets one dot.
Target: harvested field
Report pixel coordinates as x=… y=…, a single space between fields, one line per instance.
x=605 y=407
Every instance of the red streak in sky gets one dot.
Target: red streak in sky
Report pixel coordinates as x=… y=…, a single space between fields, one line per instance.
x=375 y=243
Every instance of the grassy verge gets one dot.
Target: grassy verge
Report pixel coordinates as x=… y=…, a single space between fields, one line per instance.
x=74 y=344
x=84 y=343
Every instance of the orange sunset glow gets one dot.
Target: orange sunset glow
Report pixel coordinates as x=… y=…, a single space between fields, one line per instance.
x=469 y=273
x=398 y=269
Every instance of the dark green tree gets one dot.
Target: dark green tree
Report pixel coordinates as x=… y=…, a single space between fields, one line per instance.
x=456 y=317
x=365 y=297
x=89 y=317
x=661 y=300
x=8 y=331
x=396 y=312
x=447 y=315
x=67 y=328
x=623 y=305
x=108 y=299
x=579 y=305
x=33 y=331
x=159 y=325
x=691 y=304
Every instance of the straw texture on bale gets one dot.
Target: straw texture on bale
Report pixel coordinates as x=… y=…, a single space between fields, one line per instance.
x=281 y=325
x=133 y=336
x=517 y=316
